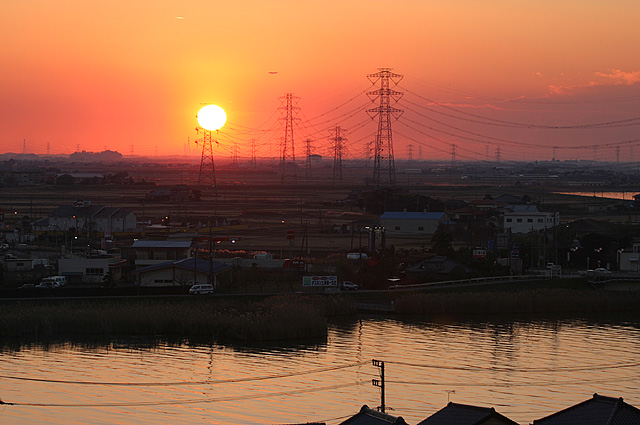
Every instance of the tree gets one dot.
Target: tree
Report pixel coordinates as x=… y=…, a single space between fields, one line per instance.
x=441 y=242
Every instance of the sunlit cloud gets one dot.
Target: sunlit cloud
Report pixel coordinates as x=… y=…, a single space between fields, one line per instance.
x=621 y=77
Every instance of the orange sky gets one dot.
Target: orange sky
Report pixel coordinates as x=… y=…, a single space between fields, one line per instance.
x=116 y=74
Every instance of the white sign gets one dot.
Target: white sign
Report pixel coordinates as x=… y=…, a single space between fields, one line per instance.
x=319 y=280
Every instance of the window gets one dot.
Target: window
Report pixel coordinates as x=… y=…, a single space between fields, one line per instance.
x=540 y=220
x=519 y=220
x=420 y=228
x=529 y=220
x=94 y=271
x=509 y=220
x=162 y=281
x=396 y=228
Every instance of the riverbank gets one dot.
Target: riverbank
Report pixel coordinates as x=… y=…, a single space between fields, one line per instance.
x=274 y=318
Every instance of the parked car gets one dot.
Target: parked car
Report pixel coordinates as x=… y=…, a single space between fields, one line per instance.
x=348 y=286
x=58 y=281
x=27 y=286
x=201 y=289
x=602 y=272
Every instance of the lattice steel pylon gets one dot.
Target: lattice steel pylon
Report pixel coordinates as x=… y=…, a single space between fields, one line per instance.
x=338 y=146
x=207 y=173
x=384 y=169
x=288 y=156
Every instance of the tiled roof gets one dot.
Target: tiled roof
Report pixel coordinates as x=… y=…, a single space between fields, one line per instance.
x=462 y=414
x=599 y=410
x=162 y=244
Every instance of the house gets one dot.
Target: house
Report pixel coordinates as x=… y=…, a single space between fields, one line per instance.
x=367 y=416
x=148 y=253
x=598 y=410
x=185 y=272
x=527 y=218
x=463 y=414
x=412 y=223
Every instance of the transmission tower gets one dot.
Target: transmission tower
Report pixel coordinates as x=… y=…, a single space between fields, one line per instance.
x=384 y=169
x=253 y=154
x=338 y=145
x=235 y=155
x=307 y=168
x=498 y=154
x=207 y=173
x=453 y=155
x=288 y=147
x=420 y=153
x=48 y=147
x=410 y=155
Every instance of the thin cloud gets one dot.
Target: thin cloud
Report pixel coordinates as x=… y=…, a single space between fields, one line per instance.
x=621 y=77
x=615 y=77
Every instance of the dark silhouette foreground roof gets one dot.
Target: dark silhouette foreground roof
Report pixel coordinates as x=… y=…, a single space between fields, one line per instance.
x=367 y=416
x=599 y=410
x=463 y=414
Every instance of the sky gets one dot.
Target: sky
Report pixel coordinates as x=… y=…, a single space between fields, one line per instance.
x=480 y=79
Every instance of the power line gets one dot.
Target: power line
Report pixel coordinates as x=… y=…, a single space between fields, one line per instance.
x=189 y=401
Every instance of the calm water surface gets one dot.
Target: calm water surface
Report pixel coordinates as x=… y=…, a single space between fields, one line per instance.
x=525 y=369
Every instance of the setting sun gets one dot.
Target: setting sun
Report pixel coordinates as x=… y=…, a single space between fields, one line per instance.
x=211 y=117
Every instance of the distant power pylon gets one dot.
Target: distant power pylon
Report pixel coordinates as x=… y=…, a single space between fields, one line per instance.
x=235 y=154
x=338 y=145
x=48 y=148
x=419 y=153
x=410 y=155
x=384 y=169
x=207 y=173
x=307 y=168
x=288 y=155
x=253 y=154
x=453 y=155
x=24 y=146
x=498 y=154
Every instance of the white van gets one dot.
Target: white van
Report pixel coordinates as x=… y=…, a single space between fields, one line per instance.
x=58 y=281
x=201 y=289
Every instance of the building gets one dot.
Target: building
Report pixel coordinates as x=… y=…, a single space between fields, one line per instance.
x=148 y=253
x=90 y=270
x=599 y=410
x=184 y=273
x=367 y=416
x=84 y=216
x=527 y=218
x=629 y=259
x=462 y=414
x=412 y=223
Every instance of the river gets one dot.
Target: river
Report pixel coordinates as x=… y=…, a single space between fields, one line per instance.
x=526 y=369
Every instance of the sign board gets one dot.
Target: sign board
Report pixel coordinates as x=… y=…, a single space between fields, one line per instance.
x=479 y=253
x=319 y=280
x=291 y=234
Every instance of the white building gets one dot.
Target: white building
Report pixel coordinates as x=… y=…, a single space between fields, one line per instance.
x=412 y=223
x=90 y=270
x=180 y=273
x=83 y=215
x=527 y=218
x=149 y=253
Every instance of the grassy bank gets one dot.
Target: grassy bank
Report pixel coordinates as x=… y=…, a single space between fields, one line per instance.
x=276 y=318
x=536 y=301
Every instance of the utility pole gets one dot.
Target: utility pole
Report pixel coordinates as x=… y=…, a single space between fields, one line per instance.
x=288 y=154
x=235 y=155
x=338 y=145
x=379 y=383
x=410 y=155
x=384 y=169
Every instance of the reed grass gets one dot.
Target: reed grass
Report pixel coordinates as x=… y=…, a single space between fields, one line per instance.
x=527 y=301
x=277 y=318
